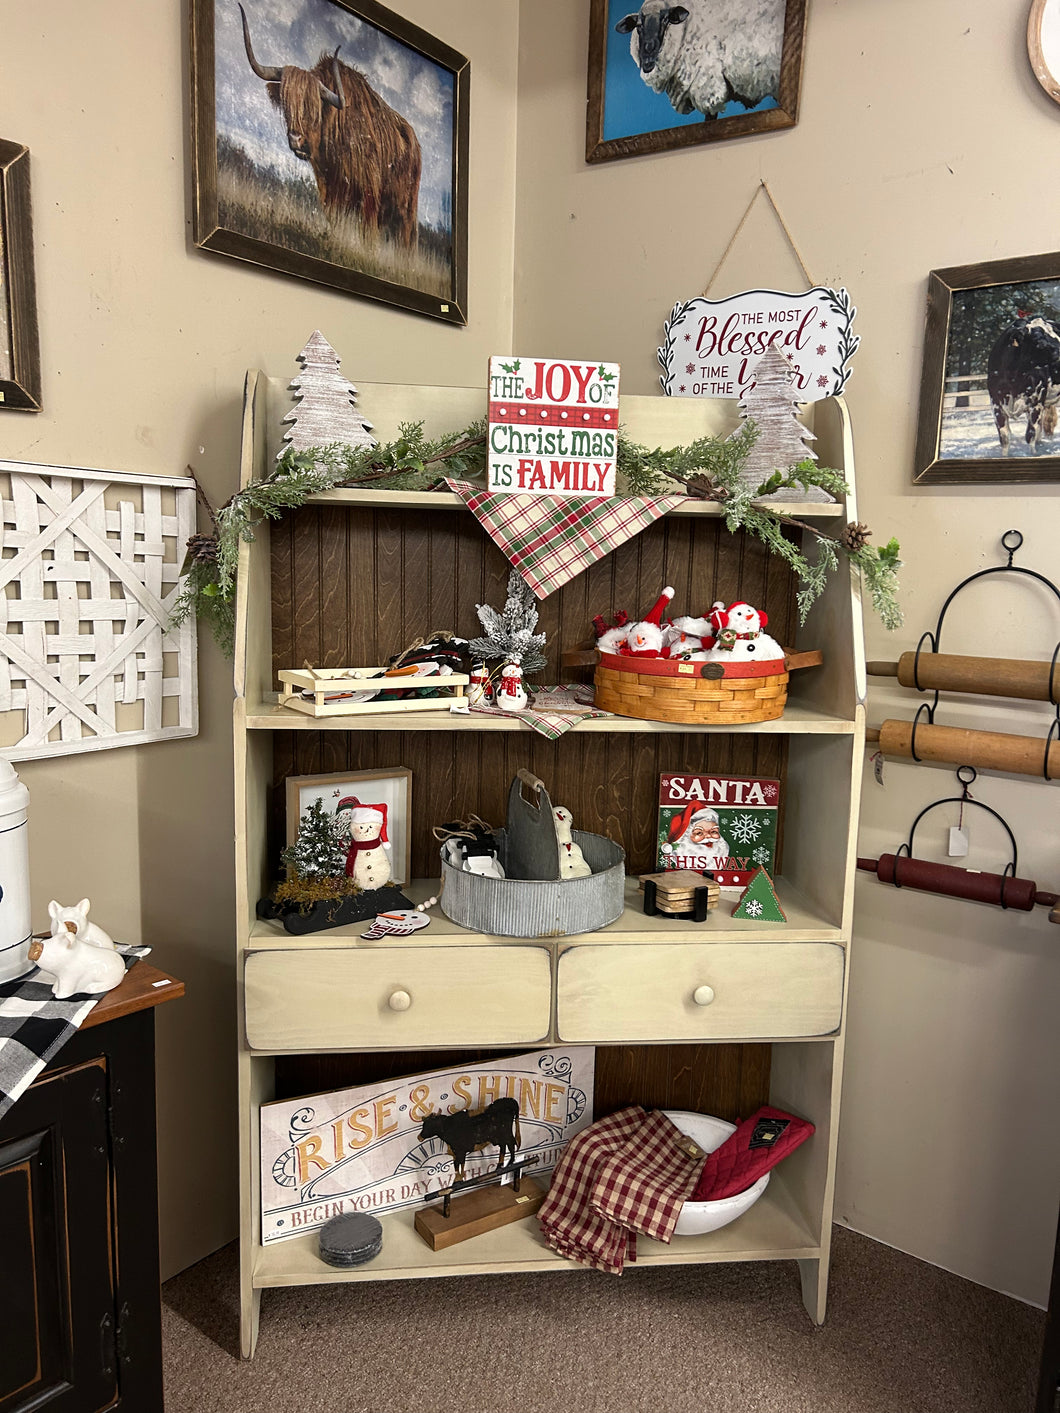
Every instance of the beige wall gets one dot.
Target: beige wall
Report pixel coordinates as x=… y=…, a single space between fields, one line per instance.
x=144 y=343
x=919 y=145
x=914 y=151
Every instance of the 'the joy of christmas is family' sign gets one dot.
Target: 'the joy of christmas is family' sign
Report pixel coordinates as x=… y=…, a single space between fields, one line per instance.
x=553 y=427
x=726 y=824
x=359 y=1150
x=712 y=345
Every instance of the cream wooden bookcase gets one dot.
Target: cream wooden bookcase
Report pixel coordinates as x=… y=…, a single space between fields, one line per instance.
x=777 y=1017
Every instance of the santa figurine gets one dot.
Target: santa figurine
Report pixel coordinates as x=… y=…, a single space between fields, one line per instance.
x=611 y=639
x=695 y=840
x=368 y=855
x=740 y=635
x=511 y=695
x=645 y=639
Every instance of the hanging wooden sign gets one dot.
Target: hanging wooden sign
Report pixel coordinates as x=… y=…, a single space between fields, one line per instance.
x=712 y=345
x=553 y=427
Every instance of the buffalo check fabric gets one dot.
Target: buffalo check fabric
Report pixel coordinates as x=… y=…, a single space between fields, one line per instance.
x=629 y=1172
x=550 y=540
x=34 y=1026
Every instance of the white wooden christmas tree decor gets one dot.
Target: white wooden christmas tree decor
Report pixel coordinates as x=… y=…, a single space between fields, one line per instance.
x=90 y=572
x=783 y=441
x=327 y=403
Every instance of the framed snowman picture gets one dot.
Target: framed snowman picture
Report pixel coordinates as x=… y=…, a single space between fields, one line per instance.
x=389 y=792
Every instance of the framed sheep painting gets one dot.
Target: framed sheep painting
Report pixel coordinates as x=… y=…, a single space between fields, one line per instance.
x=663 y=76
x=330 y=141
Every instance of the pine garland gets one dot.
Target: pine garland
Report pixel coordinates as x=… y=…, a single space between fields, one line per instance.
x=708 y=467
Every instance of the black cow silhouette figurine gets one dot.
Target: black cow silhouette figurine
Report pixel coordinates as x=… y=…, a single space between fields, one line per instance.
x=464 y=1132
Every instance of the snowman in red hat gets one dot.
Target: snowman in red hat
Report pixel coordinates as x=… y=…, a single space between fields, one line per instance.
x=368 y=854
x=740 y=635
x=647 y=638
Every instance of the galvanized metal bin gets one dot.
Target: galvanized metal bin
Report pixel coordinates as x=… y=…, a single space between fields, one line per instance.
x=519 y=907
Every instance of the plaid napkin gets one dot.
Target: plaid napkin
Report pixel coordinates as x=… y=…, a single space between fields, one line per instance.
x=550 y=540
x=629 y=1172
x=34 y=1026
x=552 y=724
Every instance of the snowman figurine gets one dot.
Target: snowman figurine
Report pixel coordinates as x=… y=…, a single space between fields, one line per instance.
x=740 y=636
x=368 y=859
x=571 y=859
x=512 y=694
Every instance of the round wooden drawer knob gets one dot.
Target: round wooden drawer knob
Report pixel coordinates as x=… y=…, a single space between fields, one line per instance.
x=401 y=1000
x=703 y=995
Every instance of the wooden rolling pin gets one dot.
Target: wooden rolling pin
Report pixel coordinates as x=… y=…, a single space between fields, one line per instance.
x=953 y=882
x=989 y=676
x=987 y=750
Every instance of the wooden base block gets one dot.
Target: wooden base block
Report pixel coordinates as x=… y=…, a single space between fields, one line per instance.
x=478 y=1212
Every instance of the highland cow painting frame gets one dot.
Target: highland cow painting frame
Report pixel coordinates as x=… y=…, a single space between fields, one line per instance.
x=20 y=378
x=980 y=389
x=277 y=88
x=627 y=117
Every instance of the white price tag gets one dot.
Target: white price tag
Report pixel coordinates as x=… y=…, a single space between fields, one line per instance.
x=958 y=843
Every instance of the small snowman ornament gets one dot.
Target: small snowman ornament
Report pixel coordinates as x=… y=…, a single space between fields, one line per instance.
x=368 y=859
x=571 y=859
x=645 y=639
x=512 y=694
x=740 y=635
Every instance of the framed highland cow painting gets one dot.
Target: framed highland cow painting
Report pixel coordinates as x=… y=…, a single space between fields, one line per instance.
x=330 y=141
x=663 y=76
x=990 y=390
x=20 y=383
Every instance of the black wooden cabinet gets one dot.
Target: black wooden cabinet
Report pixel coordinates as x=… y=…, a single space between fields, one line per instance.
x=80 y=1322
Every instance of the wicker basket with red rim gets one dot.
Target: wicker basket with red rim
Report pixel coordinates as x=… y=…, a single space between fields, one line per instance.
x=723 y=669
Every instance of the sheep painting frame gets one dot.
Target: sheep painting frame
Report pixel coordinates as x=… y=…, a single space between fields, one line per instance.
x=281 y=182
x=630 y=114
x=990 y=389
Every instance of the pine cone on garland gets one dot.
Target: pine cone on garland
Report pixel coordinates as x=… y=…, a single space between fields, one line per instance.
x=703 y=488
x=855 y=536
x=202 y=549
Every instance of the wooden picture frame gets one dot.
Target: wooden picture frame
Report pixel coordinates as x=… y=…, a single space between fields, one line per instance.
x=325 y=205
x=1043 y=45
x=392 y=788
x=20 y=384
x=627 y=117
x=961 y=432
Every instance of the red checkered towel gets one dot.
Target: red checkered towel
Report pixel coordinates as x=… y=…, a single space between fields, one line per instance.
x=627 y=1173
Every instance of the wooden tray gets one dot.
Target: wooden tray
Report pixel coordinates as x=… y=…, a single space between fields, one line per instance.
x=337 y=682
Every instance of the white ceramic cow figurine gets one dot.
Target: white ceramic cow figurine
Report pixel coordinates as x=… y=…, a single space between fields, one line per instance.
x=79 y=968
x=75 y=920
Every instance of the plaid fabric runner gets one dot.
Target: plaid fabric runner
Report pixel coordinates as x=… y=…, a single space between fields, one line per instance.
x=34 y=1026
x=629 y=1172
x=552 y=725
x=550 y=541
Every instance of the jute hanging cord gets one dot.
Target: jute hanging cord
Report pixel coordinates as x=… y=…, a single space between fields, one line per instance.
x=763 y=186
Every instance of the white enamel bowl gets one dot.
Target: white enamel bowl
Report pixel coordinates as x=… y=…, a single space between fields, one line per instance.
x=699 y=1217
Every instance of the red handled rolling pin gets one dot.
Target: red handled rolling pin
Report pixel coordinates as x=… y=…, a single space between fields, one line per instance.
x=952 y=882
x=987 y=676
x=987 y=750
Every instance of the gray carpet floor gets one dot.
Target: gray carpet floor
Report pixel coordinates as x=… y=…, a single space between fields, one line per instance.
x=901 y=1337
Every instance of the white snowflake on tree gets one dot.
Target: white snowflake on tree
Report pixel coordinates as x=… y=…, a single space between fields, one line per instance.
x=753 y=908
x=745 y=828
x=761 y=856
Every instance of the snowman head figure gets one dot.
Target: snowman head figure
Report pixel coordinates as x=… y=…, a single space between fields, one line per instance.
x=368 y=824
x=742 y=618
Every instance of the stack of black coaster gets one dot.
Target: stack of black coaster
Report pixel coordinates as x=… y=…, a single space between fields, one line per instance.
x=350 y=1240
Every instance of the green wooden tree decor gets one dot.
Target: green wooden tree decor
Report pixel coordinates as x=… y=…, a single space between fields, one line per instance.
x=759 y=902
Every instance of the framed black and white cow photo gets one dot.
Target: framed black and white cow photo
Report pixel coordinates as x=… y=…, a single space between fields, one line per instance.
x=330 y=141
x=990 y=392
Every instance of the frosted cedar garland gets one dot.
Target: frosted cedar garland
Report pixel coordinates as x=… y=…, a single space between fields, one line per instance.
x=708 y=468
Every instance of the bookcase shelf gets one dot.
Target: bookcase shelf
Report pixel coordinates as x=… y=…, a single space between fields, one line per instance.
x=309 y=1018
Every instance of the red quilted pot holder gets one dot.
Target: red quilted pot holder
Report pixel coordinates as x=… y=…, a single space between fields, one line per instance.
x=757 y=1145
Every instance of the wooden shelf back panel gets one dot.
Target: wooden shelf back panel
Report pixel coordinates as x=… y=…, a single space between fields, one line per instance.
x=609 y=782
x=729 y=1081
x=354 y=585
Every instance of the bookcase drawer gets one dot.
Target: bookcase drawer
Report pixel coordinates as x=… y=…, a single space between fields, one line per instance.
x=689 y=991
x=396 y=997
